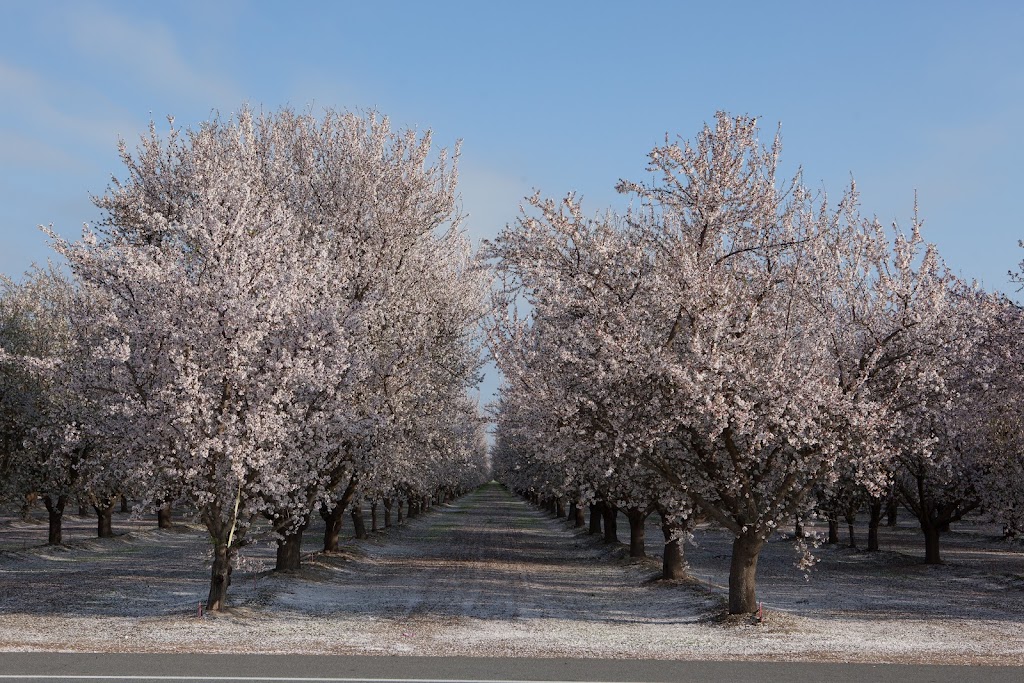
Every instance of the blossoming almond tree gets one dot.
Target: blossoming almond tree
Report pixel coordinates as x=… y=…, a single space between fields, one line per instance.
x=758 y=416
x=788 y=316
x=219 y=333
x=253 y=270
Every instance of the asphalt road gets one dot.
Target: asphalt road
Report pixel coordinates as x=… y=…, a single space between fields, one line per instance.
x=189 y=668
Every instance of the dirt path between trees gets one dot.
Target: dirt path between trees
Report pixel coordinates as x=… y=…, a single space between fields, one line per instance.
x=491 y=558
x=487 y=575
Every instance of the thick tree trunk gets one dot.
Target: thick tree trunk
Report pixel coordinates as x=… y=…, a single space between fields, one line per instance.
x=932 y=517
x=931 y=543
x=289 y=549
x=636 y=519
x=743 y=574
x=164 y=517
x=580 y=517
x=357 y=520
x=401 y=517
x=373 y=516
x=833 y=531
x=672 y=557
x=387 y=512
x=104 y=513
x=126 y=507
x=55 y=511
x=559 y=508
x=220 y=578
x=333 y=518
x=595 y=518
x=874 y=521
x=611 y=523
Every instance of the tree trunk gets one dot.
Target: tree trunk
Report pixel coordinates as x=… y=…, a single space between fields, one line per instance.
x=126 y=507
x=220 y=577
x=289 y=549
x=798 y=527
x=104 y=512
x=743 y=574
x=388 y=502
x=55 y=511
x=83 y=509
x=931 y=542
x=357 y=520
x=891 y=509
x=163 y=517
x=401 y=518
x=595 y=518
x=333 y=518
x=636 y=519
x=559 y=508
x=580 y=517
x=874 y=521
x=611 y=523
x=833 y=530
x=373 y=516
x=672 y=558
x=850 y=528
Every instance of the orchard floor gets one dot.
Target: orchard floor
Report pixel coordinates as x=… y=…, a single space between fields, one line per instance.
x=489 y=575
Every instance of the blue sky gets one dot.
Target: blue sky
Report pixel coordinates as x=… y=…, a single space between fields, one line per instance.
x=557 y=96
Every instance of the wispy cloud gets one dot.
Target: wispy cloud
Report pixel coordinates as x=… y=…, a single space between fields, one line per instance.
x=148 y=53
x=21 y=152
x=38 y=106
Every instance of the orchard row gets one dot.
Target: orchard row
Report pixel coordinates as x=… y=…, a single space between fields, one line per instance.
x=277 y=316
x=739 y=349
